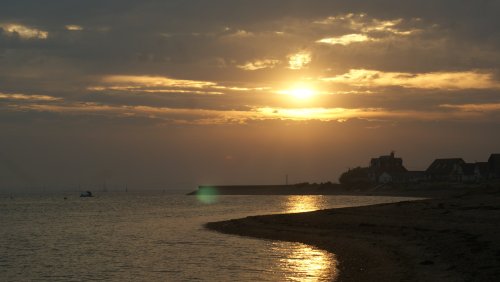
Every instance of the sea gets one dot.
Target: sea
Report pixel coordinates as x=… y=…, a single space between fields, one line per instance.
x=154 y=236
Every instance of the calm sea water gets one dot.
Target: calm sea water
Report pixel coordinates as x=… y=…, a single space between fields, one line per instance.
x=155 y=237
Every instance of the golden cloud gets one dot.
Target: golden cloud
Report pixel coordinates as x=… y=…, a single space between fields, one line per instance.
x=299 y=60
x=474 y=107
x=159 y=84
x=155 y=90
x=260 y=64
x=72 y=27
x=208 y=116
x=200 y=116
x=383 y=26
x=25 y=97
x=241 y=33
x=170 y=115
x=335 y=19
x=156 y=84
x=345 y=39
x=363 y=24
x=156 y=81
x=23 y=31
x=433 y=80
x=324 y=114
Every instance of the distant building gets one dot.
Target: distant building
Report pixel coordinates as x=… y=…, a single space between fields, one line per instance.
x=470 y=173
x=387 y=169
x=483 y=169
x=446 y=170
x=389 y=162
x=415 y=176
x=402 y=177
x=390 y=169
x=494 y=166
x=385 y=177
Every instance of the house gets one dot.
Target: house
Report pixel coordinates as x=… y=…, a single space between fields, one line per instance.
x=446 y=170
x=387 y=169
x=415 y=176
x=390 y=169
x=494 y=165
x=387 y=162
x=470 y=173
x=483 y=170
x=385 y=177
x=402 y=177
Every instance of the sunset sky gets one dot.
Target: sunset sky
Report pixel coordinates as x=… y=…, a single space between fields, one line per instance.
x=176 y=93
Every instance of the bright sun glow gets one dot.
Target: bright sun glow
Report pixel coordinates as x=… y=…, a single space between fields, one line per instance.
x=300 y=93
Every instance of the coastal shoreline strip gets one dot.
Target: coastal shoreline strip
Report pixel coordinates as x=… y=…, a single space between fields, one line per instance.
x=449 y=239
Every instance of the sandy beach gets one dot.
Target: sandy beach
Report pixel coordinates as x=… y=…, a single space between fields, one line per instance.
x=455 y=238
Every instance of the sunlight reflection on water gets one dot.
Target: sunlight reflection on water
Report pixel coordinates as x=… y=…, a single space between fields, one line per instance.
x=306 y=263
x=296 y=204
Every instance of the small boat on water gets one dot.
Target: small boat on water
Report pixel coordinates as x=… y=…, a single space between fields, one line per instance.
x=86 y=194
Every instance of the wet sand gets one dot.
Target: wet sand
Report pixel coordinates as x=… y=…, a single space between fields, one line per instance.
x=456 y=238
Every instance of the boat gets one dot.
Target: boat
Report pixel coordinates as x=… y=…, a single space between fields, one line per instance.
x=86 y=194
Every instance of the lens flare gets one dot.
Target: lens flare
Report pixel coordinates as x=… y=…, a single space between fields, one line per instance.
x=207 y=195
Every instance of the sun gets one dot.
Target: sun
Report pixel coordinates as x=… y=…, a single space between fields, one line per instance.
x=302 y=93
x=299 y=92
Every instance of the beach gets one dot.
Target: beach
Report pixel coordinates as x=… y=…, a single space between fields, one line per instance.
x=453 y=238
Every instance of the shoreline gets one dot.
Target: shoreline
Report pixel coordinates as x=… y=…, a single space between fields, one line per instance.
x=422 y=190
x=455 y=238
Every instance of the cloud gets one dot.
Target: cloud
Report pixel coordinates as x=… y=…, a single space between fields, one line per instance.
x=365 y=24
x=433 y=80
x=201 y=116
x=152 y=113
x=299 y=60
x=345 y=39
x=154 y=84
x=25 y=97
x=155 y=81
x=363 y=28
x=260 y=64
x=23 y=31
x=160 y=84
x=241 y=34
x=72 y=27
x=301 y=114
x=388 y=26
x=491 y=107
x=193 y=61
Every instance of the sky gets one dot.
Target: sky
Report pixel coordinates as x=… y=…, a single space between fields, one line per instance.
x=178 y=93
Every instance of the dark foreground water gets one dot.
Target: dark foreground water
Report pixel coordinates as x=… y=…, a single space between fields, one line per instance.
x=155 y=237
